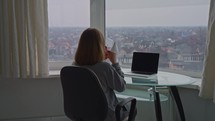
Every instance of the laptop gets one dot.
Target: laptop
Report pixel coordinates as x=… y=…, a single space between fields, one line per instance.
x=145 y=63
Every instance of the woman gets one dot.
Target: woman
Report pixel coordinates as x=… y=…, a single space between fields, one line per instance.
x=91 y=53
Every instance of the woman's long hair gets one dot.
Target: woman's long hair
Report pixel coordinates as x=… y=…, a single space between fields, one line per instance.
x=90 y=48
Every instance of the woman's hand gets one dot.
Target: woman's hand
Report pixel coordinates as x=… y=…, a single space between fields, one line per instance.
x=112 y=57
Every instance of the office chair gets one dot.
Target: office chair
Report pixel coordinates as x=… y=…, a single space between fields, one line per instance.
x=84 y=99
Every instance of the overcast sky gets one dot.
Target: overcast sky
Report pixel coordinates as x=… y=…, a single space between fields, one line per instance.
x=130 y=13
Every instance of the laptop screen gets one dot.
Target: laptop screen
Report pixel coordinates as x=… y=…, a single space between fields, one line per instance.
x=145 y=63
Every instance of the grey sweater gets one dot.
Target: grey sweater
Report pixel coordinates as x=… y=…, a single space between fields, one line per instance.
x=111 y=78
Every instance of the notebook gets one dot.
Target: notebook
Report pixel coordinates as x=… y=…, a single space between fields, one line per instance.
x=145 y=63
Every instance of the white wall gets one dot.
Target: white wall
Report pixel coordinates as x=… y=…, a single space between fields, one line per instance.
x=30 y=98
x=41 y=100
x=196 y=108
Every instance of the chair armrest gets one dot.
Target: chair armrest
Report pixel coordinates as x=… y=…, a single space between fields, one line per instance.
x=121 y=105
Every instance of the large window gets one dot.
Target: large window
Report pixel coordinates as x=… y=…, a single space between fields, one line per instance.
x=67 y=20
x=174 y=28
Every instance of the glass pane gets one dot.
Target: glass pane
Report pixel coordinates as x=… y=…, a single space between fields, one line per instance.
x=174 y=28
x=67 y=20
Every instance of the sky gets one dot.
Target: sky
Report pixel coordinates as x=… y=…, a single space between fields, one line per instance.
x=130 y=13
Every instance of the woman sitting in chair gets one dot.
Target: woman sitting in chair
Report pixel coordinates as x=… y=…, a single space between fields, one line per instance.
x=91 y=53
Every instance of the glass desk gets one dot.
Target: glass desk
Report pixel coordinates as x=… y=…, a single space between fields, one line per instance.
x=162 y=79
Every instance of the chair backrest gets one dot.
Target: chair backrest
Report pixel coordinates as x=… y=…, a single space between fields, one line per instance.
x=84 y=99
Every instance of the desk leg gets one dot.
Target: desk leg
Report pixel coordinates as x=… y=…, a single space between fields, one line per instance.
x=177 y=99
x=157 y=105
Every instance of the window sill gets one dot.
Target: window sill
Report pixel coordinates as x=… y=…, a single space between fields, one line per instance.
x=54 y=73
x=195 y=85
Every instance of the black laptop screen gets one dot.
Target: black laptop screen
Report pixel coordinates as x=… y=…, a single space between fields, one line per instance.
x=146 y=63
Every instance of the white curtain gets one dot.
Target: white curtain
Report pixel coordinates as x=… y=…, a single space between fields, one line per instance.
x=208 y=83
x=23 y=38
